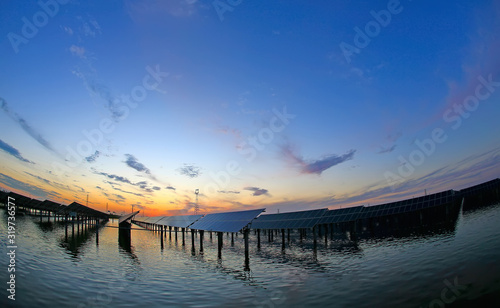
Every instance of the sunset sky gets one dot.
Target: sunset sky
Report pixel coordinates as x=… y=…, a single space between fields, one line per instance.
x=285 y=105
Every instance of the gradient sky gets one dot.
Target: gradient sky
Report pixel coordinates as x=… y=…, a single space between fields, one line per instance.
x=286 y=105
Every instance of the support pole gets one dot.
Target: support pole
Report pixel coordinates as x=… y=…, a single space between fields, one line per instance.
x=219 y=246
x=258 y=239
x=247 y=259
x=192 y=241
x=314 y=238
x=201 y=241
x=183 y=237
x=283 y=239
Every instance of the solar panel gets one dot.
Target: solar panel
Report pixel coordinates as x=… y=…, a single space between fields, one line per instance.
x=153 y=220
x=406 y=206
x=179 y=221
x=226 y=222
x=127 y=217
x=341 y=215
x=291 y=220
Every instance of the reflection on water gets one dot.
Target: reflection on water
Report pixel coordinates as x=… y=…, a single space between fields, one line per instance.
x=76 y=236
x=386 y=263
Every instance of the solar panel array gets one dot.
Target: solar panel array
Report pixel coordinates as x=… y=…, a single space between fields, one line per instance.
x=292 y=220
x=342 y=215
x=409 y=205
x=55 y=207
x=477 y=188
x=226 y=222
x=179 y=221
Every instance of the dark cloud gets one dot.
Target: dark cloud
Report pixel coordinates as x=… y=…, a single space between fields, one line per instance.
x=170 y=187
x=190 y=171
x=28 y=188
x=51 y=183
x=81 y=188
x=128 y=192
x=315 y=166
x=139 y=206
x=93 y=157
x=111 y=102
x=228 y=192
x=25 y=126
x=13 y=151
x=142 y=185
x=115 y=177
x=133 y=163
x=257 y=191
x=384 y=150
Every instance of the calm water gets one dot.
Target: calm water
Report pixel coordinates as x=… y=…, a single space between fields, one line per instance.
x=414 y=271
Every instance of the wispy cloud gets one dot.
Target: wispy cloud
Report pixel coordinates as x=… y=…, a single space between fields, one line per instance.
x=190 y=171
x=13 y=151
x=141 y=10
x=144 y=185
x=27 y=188
x=51 y=183
x=257 y=191
x=93 y=157
x=77 y=51
x=314 y=166
x=25 y=126
x=127 y=192
x=89 y=27
x=229 y=192
x=384 y=150
x=115 y=177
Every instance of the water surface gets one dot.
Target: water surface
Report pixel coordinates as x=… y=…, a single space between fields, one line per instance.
x=59 y=267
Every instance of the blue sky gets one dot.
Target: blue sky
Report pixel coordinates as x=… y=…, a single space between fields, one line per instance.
x=286 y=105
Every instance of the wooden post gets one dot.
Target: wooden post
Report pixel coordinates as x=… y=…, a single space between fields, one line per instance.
x=219 y=246
x=232 y=238
x=258 y=239
x=96 y=234
x=183 y=240
x=201 y=241
x=326 y=235
x=314 y=238
x=247 y=260
x=282 y=239
x=192 y=241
